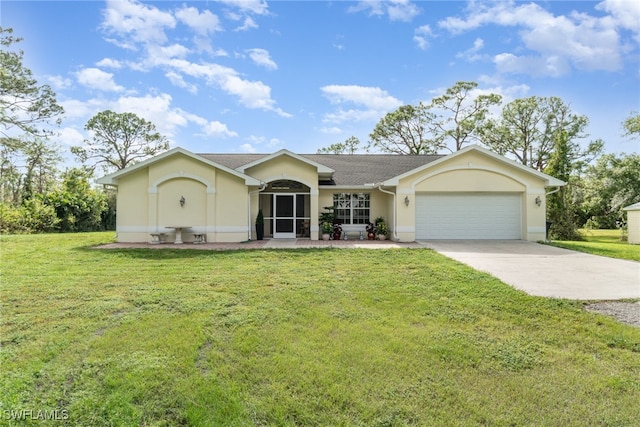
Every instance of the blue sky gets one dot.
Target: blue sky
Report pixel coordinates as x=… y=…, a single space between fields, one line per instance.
x=256 y=76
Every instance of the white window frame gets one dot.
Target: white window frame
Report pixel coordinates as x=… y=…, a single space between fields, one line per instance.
x=352 y=202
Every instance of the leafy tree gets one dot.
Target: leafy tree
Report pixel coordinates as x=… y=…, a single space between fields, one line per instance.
x=529 y=127
x=462 y=116
x=407 y=130
x=27 y=113
x=41 y=160
x=631 y=126
x=349 y=146
x=609 y=185
x=23 y=104
x=560 y=209
x=78 y=206
x=28 y=166
x=119 y=140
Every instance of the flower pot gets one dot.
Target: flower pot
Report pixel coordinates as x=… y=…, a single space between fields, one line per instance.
x=372 y=236
x=381 y=237
x=326 y=236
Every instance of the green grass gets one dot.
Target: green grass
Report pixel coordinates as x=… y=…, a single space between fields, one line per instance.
x=607 y=243
x=311 y=337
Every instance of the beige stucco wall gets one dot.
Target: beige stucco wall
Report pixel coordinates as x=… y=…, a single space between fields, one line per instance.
x=132 y=208
x=149 y=201
x=471 y=172
x=633 y=226
x=220 y=204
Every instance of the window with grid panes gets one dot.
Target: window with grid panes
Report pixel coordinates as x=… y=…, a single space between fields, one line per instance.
x=351 y=208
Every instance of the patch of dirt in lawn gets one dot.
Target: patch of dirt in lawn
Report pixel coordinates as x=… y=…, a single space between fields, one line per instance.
x=626 y=312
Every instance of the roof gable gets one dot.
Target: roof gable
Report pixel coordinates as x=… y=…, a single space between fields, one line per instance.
x=550 y=181
x=322 y=169
x=112 y=179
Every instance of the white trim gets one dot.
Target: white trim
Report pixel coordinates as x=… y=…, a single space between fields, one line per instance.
x=405 y=191
x=406 y=229
x=284 y=176
x=536 y=229
x=358 y=188
x=112 y=179
x=634 y=207
x=500 y=172
x=322 y=169
x=153 y=189
x=138 y=229
x=227 y=229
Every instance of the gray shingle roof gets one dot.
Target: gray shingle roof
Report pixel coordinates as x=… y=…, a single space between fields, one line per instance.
x=350 y=169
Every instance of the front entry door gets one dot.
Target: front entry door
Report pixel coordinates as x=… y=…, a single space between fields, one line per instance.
x=285 y=224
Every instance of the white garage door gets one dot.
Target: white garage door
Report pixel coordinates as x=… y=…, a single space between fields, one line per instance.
x=468 y=216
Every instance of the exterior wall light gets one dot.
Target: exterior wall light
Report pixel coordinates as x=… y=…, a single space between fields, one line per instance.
x=182 y=200
x=538 y=201
x=406 y=200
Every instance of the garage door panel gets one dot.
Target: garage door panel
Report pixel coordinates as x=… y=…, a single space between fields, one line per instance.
x=468 y=216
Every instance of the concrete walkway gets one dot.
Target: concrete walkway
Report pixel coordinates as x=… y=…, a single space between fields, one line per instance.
x=546 y=270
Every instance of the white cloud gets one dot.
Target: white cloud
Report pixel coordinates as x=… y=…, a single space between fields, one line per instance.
x=59 y=82
x=247 y=25
x=258 y=7
x=554 y=66
x=375 y=102
x=471 y=54
x=625 y=13
x=109 y=63
x=397 y=10
x=259 y=140
x=95 y=78
x=247 y=148
x=251 y=94
x=136 y=22
x=204 y=23
x=334 y=130
x=555 y=43
x=261 y=57
x=218 y=130
x=402 y=10
x=370 y=97
x=421 y=36
x=177 y=80
x=157 y=109
x=69 y=136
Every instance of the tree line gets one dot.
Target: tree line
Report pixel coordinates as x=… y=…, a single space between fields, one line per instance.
x=35 y=196
x=539 y=132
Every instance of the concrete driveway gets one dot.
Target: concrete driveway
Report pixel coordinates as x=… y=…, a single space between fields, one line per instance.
x=545 y=270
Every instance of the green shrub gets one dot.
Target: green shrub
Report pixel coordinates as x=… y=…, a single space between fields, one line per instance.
x=33 y=216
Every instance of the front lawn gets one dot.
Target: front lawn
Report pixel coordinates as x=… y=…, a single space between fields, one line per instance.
x=602 y=242
x=168 y=337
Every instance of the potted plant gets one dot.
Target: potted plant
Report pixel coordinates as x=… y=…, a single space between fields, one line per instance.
x=337 y=231
x=371 y=230
x=260 y=225
x=381 y=228
x=327 y=219
x=326 y=229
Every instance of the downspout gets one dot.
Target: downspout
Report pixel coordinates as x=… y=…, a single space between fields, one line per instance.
x=264 y=185
x=554 y=191
x=395 y=235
